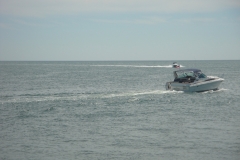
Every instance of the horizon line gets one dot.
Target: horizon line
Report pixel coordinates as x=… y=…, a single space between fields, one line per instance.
x=113 y=60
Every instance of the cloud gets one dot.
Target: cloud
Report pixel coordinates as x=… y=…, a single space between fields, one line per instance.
x=4 y=25
x=143 y=20
x=43 y=8
x=194 y=20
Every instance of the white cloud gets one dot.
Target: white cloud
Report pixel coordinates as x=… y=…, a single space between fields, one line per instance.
x=4 y=25
x=144 y=20
x=54 y=7
x=193 y=20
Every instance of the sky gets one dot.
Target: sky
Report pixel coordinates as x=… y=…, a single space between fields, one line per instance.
x=115 y=30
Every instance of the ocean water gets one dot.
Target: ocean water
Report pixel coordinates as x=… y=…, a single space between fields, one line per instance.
x=116 y=110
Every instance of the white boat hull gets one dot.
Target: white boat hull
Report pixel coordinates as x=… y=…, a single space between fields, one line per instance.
x=195 y=86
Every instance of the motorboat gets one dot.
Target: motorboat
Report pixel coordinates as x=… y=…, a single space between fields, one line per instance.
x=175 y=65
x=193 y=80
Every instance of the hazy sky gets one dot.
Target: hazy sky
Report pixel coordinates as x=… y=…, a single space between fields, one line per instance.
x=119 y=30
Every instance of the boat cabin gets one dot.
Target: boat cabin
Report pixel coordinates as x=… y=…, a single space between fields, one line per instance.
x=188 y=75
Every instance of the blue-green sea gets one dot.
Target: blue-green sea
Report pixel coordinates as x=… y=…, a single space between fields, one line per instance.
x=116 y=110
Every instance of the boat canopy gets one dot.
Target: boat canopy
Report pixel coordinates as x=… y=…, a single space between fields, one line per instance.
x=189 y=70
x=188 y=73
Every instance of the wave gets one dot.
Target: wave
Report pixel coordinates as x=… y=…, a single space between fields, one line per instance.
x=215 y=91
x=81 y=96
x=135 y=66
x=133 y=94
x=28 y=98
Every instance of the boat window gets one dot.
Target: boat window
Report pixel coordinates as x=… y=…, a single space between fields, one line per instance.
x=190 y=74
x=185 y=74
x=201 y=75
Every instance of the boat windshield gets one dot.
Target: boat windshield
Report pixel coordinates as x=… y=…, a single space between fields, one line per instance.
x=201 y=75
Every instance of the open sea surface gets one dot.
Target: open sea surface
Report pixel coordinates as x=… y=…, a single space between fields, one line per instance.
x=116 y=110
